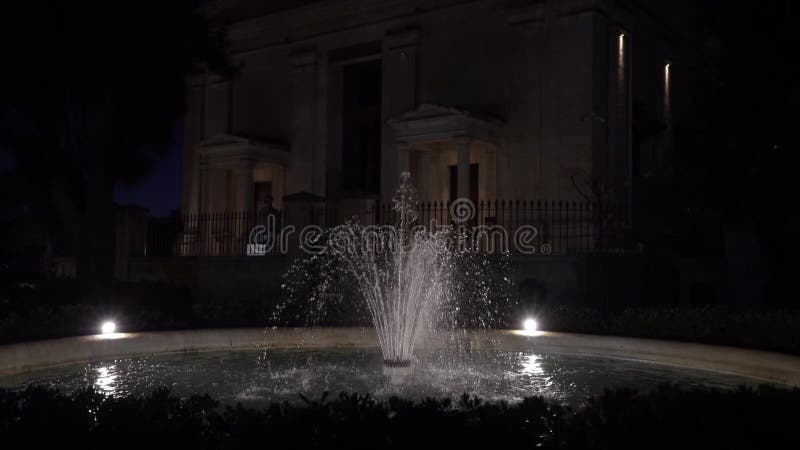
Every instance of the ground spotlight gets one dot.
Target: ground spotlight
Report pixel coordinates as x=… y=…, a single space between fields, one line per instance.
x=108 y=327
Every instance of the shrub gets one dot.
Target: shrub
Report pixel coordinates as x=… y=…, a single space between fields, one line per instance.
x=32 y=311
x=667 y=418
x=775 y=330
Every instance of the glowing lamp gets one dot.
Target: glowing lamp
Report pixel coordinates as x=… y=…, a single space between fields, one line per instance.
x=108 y=327
x=530 y=325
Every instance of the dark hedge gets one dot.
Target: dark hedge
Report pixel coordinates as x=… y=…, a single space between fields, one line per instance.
x=667 y=418
x=30 y=311
x=775 y=330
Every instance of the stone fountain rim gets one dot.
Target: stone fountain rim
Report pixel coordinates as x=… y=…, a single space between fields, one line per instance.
x=756 y=364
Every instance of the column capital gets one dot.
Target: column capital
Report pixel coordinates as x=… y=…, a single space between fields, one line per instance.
x=528 y=16
x=397 y=39
x=304 y=57
x=463 y=140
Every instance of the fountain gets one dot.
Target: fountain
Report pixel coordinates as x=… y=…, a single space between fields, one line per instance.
x=409 y=280
x=403 y=274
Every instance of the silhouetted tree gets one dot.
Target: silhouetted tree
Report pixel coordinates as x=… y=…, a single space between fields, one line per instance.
x=746 y=156
x=89 y=93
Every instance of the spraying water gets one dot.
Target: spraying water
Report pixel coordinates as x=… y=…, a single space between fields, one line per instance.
x=402 y=272
x=407 y=275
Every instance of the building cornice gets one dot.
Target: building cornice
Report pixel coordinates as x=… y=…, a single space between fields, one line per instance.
x=226 y=149
x=430 y=123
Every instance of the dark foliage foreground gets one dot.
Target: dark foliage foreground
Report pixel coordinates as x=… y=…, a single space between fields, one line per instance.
x=667 y=418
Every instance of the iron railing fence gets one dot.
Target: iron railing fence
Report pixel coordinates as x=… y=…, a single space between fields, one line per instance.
x=207 y=234
x=523 y=226
x=531 y=227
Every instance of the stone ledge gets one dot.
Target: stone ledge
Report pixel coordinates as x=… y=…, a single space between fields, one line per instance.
x=759 y=365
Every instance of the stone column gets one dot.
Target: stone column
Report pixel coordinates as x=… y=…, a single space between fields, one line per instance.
x=399 y=96
x=205 y=188
x=193 y=136
x=244 y=186
x=301 y=169
x=191 y=225
x=217 y=119
x=298 y=212
x=532 y=62
x=403 y=155
x=463 y=166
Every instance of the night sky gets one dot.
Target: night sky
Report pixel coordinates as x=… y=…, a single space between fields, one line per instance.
x=160 y=192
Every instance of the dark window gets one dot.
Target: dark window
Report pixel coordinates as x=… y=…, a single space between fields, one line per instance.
x=473 y=183
x=361 y=127
x=263 y=195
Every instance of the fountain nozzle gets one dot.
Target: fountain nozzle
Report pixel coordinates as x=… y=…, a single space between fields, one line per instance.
x=397 y=370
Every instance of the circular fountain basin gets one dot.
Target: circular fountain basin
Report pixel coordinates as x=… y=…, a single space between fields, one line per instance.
x=257 y=366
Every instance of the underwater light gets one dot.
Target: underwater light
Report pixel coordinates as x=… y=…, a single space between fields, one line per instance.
x=530 y=324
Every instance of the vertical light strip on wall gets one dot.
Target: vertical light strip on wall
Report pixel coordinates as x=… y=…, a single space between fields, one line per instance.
x=621 y=88
x=623 y=172
x=667 y=101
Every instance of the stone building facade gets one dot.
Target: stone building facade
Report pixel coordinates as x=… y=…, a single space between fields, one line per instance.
x=486 y=99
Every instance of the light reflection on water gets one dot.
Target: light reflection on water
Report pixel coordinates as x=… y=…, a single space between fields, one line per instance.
x=531 y=365
x=256 y=378
x=106 y=380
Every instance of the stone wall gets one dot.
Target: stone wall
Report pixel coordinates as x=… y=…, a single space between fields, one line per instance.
x=546 y=69
x=606 y=281
x=214 y=278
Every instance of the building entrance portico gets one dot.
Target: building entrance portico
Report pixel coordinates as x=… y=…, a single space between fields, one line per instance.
x=450 y=153
x=239 y=174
